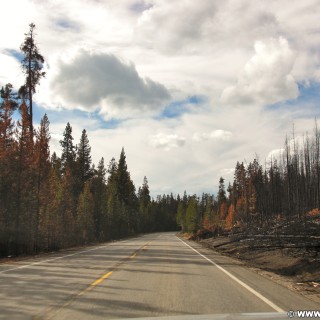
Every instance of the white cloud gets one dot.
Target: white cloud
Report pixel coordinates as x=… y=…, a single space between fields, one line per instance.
x=293 y=145
x=10 y=70
x=214 y=135
x=274 y=154
x=227 y=174
x=177 y=32
x=266 y=77
x=102 y=82
x=167 y=141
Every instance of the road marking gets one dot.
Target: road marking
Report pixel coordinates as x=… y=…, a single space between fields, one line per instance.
x=257 y=294
x=53 y=310
x=53 y=259
x=101 y=279
x=96 y=282
x=62 y=257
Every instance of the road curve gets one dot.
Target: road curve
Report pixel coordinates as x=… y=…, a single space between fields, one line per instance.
x=149 y=276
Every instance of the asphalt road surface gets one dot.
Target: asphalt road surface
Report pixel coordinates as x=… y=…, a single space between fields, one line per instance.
x=149 y=276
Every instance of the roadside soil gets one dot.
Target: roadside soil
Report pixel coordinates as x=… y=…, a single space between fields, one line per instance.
x=296 y=269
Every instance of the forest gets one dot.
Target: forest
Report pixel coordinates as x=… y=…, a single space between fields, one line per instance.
x=48 y=203
x=286 y=188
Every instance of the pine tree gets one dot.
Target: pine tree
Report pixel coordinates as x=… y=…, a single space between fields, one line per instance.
x=68 y=150
x=8 y=169
x=127 y=197
x=83 y=161
x=52 y=225
x=42 y=165
x=113 y=203
x=230 y=217
x=208 y=214
x=123 y=179
x=181 y=216
x=144 y=205
x=6 y=127
x=222 y=199
x=32 y=65
x=98 y=187
x=56 y=162
x=85 y=223
x=8 y=96
x=69 y=209
x=192 y=215
x=26 y=199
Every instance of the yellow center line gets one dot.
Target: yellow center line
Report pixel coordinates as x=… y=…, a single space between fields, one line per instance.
x=93 y=284
x=105 y=276
x=101 y=279
x=133 y=255
x=54 y=310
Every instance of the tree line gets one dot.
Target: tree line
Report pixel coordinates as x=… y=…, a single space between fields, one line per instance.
x=52 y=202
x=288 y=187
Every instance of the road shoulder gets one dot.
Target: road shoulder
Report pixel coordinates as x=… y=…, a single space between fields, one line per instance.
x=301 y=275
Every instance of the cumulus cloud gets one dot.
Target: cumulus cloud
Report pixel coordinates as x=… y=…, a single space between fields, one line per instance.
x=177 y=32
x=99 y=81
x=266 y=77
x=213 y=135
x=167 y=141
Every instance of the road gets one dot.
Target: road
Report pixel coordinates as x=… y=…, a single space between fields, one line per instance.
x=148 y=276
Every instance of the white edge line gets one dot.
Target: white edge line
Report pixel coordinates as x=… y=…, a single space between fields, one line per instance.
x=53 y=259
x=257 y=294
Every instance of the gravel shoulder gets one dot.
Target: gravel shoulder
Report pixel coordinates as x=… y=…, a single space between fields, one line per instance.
x=293 y=268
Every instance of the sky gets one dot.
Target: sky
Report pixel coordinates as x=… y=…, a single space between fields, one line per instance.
x=187 y=88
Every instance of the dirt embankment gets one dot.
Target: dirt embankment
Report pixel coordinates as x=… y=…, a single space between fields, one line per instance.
x=291 y=263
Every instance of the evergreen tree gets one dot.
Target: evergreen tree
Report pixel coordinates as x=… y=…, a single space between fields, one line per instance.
x=209 y=213
x=144 y=205
x=222 y=199
x=68 y=150
x=181 y=216
x=56 y=162
x=98 y=187
x=26 y=194
x=85 y=223
x=52 y=225
x=192 y=215
x=8 y=97
x=32 y=65
x=113 y=203
x=8 y=177
x=123 y=179
x=42 y=166
x=83 y=162
x=6 y=127
x=127 y=197
x=69 y=209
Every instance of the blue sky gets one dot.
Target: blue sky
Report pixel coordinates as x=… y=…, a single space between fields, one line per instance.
x=186 y=98
x=177 y=108
x=307 y=104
